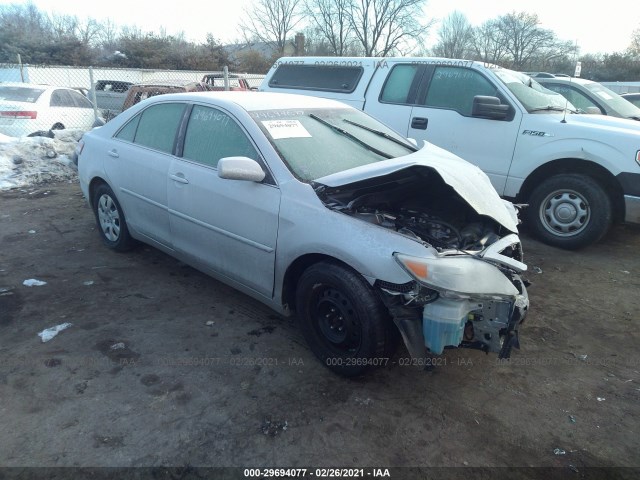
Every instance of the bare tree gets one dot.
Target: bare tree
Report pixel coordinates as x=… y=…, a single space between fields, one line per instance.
x=63 y=26
x=488 y=42
x=455 y=37
x=386 y=26
x=88 y=31
x=634 y=46
x=271 y=21
x=523 y=37
x=331 y=21
x=108 y=34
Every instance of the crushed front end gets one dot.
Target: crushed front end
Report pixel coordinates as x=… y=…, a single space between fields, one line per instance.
x=466 y=289
x=474 y=301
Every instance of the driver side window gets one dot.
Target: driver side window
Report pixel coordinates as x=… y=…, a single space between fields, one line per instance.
x=454 y=88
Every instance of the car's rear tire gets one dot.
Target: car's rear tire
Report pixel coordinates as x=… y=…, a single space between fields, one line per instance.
x=569 y=211
x=112 y=224
x=343 y=320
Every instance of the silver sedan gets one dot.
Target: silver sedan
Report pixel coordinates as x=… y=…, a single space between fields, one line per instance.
x=317 y=210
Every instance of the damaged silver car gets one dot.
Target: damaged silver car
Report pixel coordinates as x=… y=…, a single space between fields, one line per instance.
x=319 y=211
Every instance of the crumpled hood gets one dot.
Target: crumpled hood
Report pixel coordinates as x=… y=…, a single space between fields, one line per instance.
x=471 y=183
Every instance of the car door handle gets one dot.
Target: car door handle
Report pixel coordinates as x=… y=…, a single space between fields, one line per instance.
x=113 y=153
x=419 y=123
x=178 y=177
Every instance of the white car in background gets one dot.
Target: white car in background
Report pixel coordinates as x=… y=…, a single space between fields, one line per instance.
x=29 y=109
x=315 y=208
x=591 y=97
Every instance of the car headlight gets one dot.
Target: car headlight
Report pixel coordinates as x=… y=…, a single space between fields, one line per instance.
x=459 y=275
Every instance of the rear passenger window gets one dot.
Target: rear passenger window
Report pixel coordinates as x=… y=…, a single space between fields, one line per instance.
x=317 y=77
x=212 y=135
x=455 y=87
x=61 y=98
x=155 y=127
x=398 y=84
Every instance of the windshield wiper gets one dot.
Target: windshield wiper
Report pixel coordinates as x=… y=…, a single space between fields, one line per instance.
x=551 y=108
x=383 y=135
x=350 y=136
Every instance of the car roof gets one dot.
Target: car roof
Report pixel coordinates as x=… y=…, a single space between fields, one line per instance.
x=252 y=101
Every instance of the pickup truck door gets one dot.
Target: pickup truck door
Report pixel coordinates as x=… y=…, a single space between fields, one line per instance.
x=442 y=115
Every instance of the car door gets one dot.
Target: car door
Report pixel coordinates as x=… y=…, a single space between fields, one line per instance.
x=228 y=226
x=137 y=164
x=442 y=116
x=398 y=90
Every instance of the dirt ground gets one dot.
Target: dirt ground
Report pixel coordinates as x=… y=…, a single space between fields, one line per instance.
x=144 y=378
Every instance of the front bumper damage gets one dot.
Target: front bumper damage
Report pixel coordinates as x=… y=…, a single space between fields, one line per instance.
x=490 y=325
x=431 y=319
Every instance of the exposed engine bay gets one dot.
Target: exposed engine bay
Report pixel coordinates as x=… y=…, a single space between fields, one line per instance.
x=418 y=203
x=436 y=215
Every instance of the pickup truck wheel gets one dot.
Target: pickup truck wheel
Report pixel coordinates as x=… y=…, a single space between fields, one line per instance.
x=344 y=322
x=569 y=211
x=110 y=219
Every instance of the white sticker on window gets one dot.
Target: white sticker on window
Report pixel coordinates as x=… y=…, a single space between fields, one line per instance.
x=285 y=129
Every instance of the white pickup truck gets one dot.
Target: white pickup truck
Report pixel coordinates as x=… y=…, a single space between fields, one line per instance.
x=579 y=173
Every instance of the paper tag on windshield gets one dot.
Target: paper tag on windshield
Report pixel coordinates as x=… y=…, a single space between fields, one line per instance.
x=285 y=129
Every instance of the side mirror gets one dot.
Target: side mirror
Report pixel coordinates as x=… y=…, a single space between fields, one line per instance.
x=489 y=107
x=240 y=168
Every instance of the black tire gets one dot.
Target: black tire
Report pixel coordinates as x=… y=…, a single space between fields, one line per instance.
x=343 y=320
x=112 y=225
x=569 y=211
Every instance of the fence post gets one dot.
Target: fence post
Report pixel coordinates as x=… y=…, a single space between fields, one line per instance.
x=225 y=75
x=21 y=70
x=93 y=95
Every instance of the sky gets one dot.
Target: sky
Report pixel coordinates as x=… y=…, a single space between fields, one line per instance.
x=594 y=26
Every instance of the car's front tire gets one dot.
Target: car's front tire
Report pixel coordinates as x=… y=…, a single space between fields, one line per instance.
x=112 y=224
x=343 y=320
x=569 y=211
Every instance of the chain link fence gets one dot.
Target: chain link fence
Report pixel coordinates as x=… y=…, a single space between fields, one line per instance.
x=34 y=100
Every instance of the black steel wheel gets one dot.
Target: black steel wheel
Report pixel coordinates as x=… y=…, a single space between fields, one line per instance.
x=343 y=320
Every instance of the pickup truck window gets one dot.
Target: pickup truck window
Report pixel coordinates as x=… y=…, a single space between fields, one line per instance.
x=533 y=96
x=398 y=84
x=455 y=87
x=317 y=77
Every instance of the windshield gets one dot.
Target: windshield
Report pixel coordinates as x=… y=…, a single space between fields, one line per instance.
x=317 y=142
x=20 y=94
x=533 y=96
x=612 y=99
